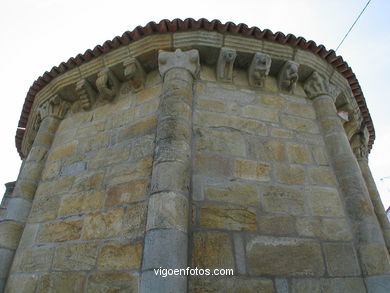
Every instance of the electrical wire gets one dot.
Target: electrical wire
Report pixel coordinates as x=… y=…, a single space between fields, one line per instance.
x=352 y=25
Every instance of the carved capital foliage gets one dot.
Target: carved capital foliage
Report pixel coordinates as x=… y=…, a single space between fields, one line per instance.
x=288 y=76
x=107 y=84
x=54 y=107
x=188 y=60
x=225 y=64
x=259 y=69
x=316 y=86
x=134 y=73
x=86 y=93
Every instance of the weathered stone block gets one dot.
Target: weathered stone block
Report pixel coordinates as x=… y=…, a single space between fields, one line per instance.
x=231 y=143
x=211 y=105
x=28 y=236
x=58 y=186
x=298 y=153
x=89 y=200
x=168 y=210
x=233 y=193
x=272 y=101
x=252 y=170
x=322 y=176
x=229 y=217
x=299 y=124
x=64 y=151
x=6 y=257
x=125 y=172
x=170 y=176
x=213 y=165
x=108 y=157
x=164 y=248
x=324 y=228
x=87 y=181
x=341 y=259
x=290 y=174
x=112 y=282
x=302 y=110
x=325 y=201
x=231 y=284
x=44 y=209
x=101 y=224
x=25 y=283
x=128 y=192
x=283 y=256
x=320 y=155
x=139 y=128
x=216 y=120
x=93 y=143
x=92 y=129
x=266 y=149
x=334 y=285
x=261 y=113
x=142 y=147
x=281 y=133
x=276 y=225
x=150 y=282
x=147 y=94
x=212 y=250
x=175 y=109
x=134 y=221
x=284 y=200
x=76 y=256
x=374 y=259
x=120 y=256
x=10 y=232
x=34 y=260
x=60 y=231
x=62 y=283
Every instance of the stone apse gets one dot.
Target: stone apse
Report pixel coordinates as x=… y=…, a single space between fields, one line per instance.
x=196 y=144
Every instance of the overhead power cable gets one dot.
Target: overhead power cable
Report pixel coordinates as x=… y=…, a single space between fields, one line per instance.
x=353 y=25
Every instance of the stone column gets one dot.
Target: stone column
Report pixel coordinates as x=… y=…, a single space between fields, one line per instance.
x=360 y=149
x=19 y=205
x=373 y=255
x=166 y=238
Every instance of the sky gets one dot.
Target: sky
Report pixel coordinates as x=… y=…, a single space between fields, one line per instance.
x=37 y=35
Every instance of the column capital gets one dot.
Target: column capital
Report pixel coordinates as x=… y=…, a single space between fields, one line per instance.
x=316 y=86
x=54 y=107
x=188 y=60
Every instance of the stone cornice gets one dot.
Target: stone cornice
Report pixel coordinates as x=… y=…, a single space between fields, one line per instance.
x=142 y=50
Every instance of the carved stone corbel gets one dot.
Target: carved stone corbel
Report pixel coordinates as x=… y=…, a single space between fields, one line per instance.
x=188 y=60
x=225 y=64
x=86 y=93
x=316 y=86
x=288 y=76
x=54 y=107
x=107 y=84
x=259 y=69
x=134 y=73
x=359 y=145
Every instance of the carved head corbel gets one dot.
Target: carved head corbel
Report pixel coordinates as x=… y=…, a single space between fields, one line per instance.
x=225 y=64
x=288 y=76
x=134 y=73
x=107 y=84
x=259 y=69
